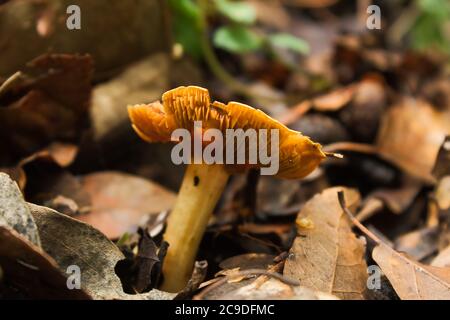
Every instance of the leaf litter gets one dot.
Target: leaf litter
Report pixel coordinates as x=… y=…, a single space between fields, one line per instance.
x=81 y=189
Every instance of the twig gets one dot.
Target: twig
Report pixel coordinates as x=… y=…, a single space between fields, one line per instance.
x=9 y=82
x=198 y=275
x=246 y=273
x=278 y=267
x=358 y=224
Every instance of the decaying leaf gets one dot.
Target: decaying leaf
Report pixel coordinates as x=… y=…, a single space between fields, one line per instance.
x=442 y=259
x=411 y=133
x=275 y=289
x=329 y=258
x=14 y=212
x=334 y=100
x=32 y=271
x=410 y=279
x=121 y=201
x=50 y=103
x=71 y=242
x=442 y=164
x=248 y=261
x=418 y=244
x=62 y=154
x=442 y=193
x=25 y=265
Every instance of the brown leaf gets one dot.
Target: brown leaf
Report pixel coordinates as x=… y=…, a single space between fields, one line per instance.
x=329 y=257
x=411 y=133
x=442 y=259
x=397 y=200
x=31 y=270
x=71 y=242
x=442 y=193
x=145 y=260
x=334 y=100
x=49 y=103
x=418 y=244
x=61 y=154
x=248 y=261
x=120 y=201
x=410 y=279
x=275 y=289
x=14 y=212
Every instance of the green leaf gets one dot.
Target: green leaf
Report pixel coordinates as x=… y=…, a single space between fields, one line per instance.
x=186 y=21
x=185 y=8
x=237 y=11
x=188 y=35
x=288 y=41
x=237 y=39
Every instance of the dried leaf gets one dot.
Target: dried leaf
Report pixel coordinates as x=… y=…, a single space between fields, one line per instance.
x=71 y=242
x=418 y=244
x=14 y=212
x=31 y=270
x=275 y=289
x=442 y=259
x=411 y=133
x=146 y=258
x=120 y=201
x=410 y=279
x=53 y=101
x=442 y=164
x=248 y=261
x=442 y=193
x=329 y=257
x=334 y=100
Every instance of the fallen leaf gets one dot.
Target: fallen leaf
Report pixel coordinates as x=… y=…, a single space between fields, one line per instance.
x=442 y=259
x=57 y=188
x=52 y=102
x=71 y=242
x=121 y=201
x=442 y=193
x=397 y=200
x=34 y=272
x=14 y=212
x=248 y=261
x=329 y=258
x=418 y=244
x=273 y=289
x=442 y=163
x=62 y=154
x=24 y=264
x=411 y=133
x=145 y=260
x=334 y=100
x=411 y=280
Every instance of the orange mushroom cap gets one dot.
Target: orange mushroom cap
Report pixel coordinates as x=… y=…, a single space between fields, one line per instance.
x=155 y=122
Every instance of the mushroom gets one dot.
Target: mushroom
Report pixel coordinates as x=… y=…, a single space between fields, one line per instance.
x=203 y=183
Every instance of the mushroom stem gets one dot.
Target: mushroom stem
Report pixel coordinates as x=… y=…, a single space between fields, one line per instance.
x=200 y=190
